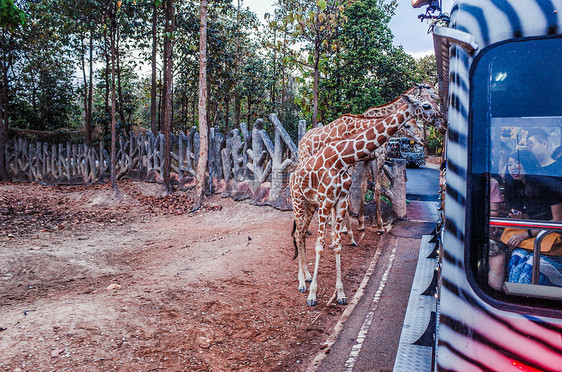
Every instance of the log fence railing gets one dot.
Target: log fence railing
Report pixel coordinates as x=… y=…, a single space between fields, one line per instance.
x=242 y=164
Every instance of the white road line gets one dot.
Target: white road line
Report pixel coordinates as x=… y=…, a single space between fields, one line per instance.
x=360 y=339
x=331 y=340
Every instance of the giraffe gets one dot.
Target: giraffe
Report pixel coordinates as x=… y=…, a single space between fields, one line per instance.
x=347 y=126
x=322 y=182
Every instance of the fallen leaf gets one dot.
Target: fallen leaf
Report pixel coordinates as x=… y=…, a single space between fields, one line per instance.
x=55 y=353
x=113 y=287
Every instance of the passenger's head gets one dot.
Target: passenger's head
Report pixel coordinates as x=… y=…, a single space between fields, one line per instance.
x=537 y=142
x=521 y=163
x=500 y=153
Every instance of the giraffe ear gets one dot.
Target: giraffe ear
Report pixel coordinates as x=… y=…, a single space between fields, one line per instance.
x=409 y=100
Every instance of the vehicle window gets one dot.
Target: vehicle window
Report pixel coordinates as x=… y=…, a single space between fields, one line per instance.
x=515 y=172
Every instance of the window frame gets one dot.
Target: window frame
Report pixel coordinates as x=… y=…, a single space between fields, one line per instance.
x=477 y=224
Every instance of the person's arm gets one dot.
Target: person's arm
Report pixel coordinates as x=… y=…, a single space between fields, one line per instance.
x=556 y=212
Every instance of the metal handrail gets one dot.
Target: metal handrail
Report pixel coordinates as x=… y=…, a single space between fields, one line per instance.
x=537 y=254
x=548 y=227
x=525 y=224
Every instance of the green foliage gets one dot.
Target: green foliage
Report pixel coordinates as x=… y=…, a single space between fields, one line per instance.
x=426 y=70
x=43 y=96
x=386 y=200
x=369 y=194
x=367 y=69
x=315 y=26
x=343 y=46
x=434 y=141
x=10 y=15
x=131 y=95
x=44 y=99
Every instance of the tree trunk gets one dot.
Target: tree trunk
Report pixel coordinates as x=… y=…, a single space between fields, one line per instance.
x=153 y=92
x=3 y=121
x=167 y=104
x=88 y=133
x=315 y=86
x=248 y=117
x=113 y=103
x=124 y=126
x=237 y=104
x=237 y=107
x=108 y=57
x=227 y=114
x=203 y=135
x=90 y=104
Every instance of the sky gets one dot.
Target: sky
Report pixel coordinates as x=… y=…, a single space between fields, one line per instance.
x=407 y=29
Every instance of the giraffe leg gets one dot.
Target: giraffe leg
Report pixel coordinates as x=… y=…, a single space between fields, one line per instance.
x=361 y=211
x=340 y=215
x=302 y=256
x=323 y=214
x=306 y=213
x=346 y=228
x=303 y=214
x=378 y=182
x=345 y=225
x=333 y=231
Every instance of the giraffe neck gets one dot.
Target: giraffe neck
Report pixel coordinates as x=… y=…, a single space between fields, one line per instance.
x=362 y=146
x=389 y=108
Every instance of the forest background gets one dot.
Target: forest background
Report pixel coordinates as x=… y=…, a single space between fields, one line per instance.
x=311 y=60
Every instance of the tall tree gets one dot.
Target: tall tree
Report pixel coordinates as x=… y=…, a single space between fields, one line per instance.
x=203 y=131
x=367 y=69
x=81 y=20
x=167 y=105
x=154 y=74
x=10 y=18
x=113 y=53
x=315 y=24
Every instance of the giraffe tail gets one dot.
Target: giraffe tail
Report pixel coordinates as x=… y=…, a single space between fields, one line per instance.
x=294 y=239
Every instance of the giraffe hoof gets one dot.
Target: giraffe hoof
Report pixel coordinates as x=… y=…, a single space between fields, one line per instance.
x=342 y=301
x=311 y=302
x=361 y=228
x=302 y=289
x=309 y=280
x=353 y=244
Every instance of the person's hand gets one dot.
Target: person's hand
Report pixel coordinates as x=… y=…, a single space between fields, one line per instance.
x=518 y=214
x=515 y=214
x=516 y=239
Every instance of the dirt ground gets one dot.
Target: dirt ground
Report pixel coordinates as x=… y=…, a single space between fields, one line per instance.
x=88 y=282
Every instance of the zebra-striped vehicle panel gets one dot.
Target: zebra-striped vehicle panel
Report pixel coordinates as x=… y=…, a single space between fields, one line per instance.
x=472 y=334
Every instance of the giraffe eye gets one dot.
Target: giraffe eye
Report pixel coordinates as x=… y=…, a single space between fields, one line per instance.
x=426 y=106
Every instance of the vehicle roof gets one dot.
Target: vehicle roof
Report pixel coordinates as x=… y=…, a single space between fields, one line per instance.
x=493 y=21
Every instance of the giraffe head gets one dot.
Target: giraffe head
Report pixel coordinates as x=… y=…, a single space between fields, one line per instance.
x=426 y=109
x=425 y=90
x=411 y=130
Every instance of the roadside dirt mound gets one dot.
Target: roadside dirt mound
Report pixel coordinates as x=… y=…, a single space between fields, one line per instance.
x=97 y=283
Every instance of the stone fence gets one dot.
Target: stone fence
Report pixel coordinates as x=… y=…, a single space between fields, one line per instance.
x=243 y=164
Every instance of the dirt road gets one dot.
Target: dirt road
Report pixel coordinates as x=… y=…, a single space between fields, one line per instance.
x=88 y=282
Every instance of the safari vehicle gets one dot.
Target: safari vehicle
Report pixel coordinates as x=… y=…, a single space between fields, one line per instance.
x=500 y=80
x=407 y=149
